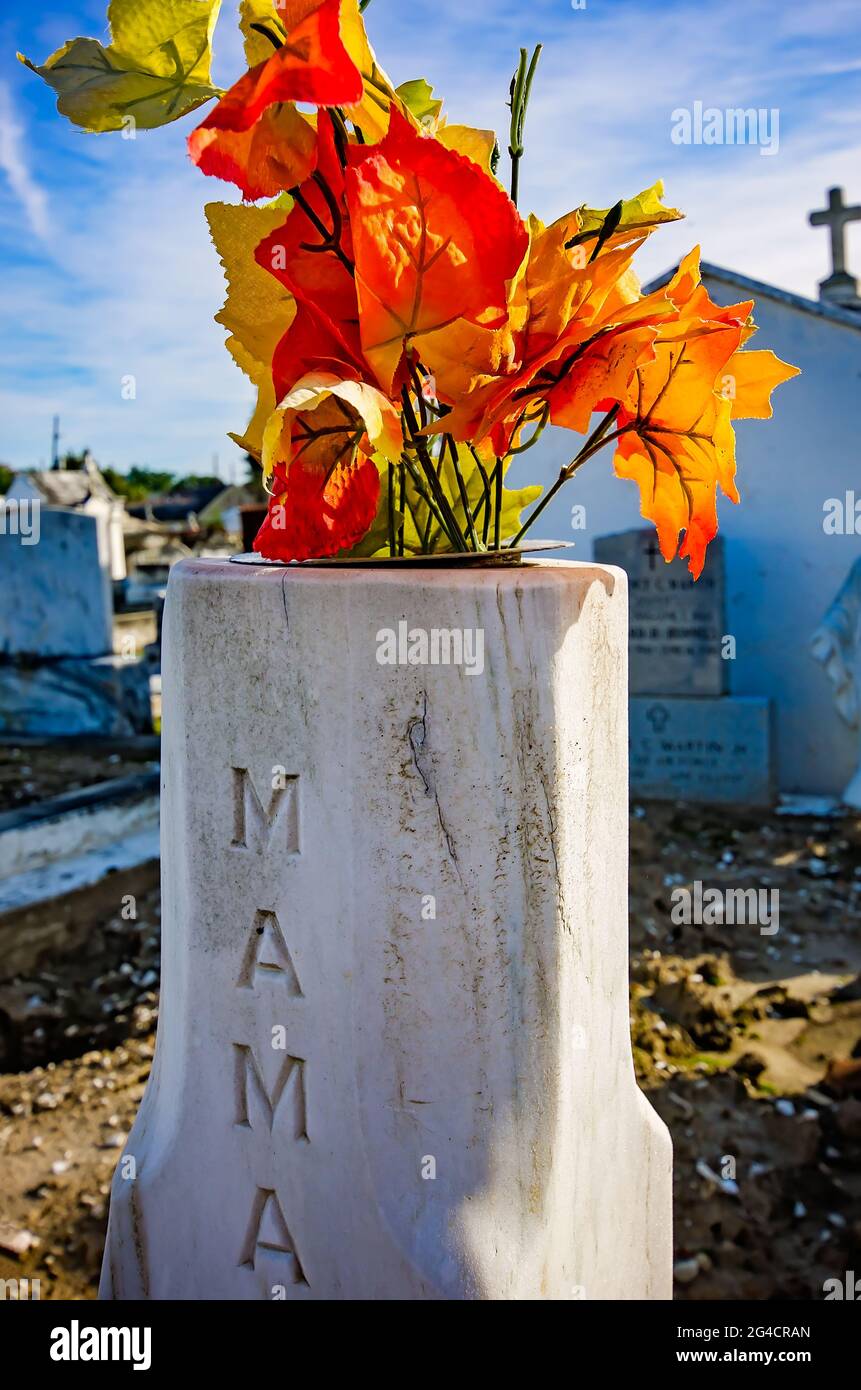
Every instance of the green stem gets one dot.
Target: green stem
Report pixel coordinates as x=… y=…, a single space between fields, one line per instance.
x=540 y=423
x=418 y=483
x=402 y=497
x=447 y=442
x=594 y=443
x=390 y=503
x=419 y=444
x=521 y=88
x=497 y=513
x=464 y=497
x=485 y=499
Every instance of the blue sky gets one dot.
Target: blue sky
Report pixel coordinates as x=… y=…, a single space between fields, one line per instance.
x=107 y=268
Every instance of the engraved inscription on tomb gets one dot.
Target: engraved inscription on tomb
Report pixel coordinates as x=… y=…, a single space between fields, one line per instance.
x=269 y=1235
x=269 y=1085
x=255 y=1098
x=271 y=821
x=267 y=956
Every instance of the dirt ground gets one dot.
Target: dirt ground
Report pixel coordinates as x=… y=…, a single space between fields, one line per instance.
x=748 y=1044
x=33 y=772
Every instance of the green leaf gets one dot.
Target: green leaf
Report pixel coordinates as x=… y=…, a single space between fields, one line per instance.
x=418 y=98
x=156 y=68
x=638 y=215
x=429 y=538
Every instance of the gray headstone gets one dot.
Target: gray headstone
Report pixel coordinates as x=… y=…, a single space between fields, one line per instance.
x=675 y=624
x=701 y=749
x=55 y=595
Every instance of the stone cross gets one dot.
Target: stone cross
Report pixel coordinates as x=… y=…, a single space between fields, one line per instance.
x=840 y=285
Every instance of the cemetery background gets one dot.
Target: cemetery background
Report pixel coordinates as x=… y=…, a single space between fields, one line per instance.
x=747 y=1044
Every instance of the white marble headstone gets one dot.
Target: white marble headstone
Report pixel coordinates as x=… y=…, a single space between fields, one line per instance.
x=393 y=1058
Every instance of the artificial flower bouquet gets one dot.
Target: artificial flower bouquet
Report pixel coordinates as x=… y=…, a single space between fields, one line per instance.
x=407 y=330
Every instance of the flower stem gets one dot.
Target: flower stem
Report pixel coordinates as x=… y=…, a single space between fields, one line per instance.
x=390 y=500
x=521 y=87
x=418 y=483
x=464 y=497
x=596 y=441
x=402 y=497
x=419 y=445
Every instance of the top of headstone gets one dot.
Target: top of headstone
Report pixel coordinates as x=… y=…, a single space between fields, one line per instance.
x=676 y=624
x=57 y=599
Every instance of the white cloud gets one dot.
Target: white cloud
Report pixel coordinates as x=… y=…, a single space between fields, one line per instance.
x=13 y=162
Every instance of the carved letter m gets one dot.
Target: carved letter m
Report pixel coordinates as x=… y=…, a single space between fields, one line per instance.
x=252 y=819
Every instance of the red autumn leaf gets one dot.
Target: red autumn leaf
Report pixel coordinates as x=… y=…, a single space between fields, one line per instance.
x=311 y=65
x=308 y=520
x=435 y=240
x=311 y=344
x=276 y=153
x=311 y=255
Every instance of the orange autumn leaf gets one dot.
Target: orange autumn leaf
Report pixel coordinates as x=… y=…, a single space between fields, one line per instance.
x=311 y=65
x=276 y=153
x=463 y=355
x=600 y=376
x=559 y=310
x=678 y=472
x=675 y=432
x=678 y=443
x=435 y=240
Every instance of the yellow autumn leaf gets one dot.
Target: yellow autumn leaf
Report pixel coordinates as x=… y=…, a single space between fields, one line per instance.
x=477 y=145
x=258 y=309
x=750 y=378
x=371 y=114
x=417 y=96
x=364 y=403
x=263 y=13
x=156 y=68
x=251 y=442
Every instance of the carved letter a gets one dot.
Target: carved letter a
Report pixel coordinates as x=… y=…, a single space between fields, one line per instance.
x=268 y=1234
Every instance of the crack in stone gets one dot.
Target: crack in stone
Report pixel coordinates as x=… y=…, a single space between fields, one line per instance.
x=417 y=736
x=560 y=896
